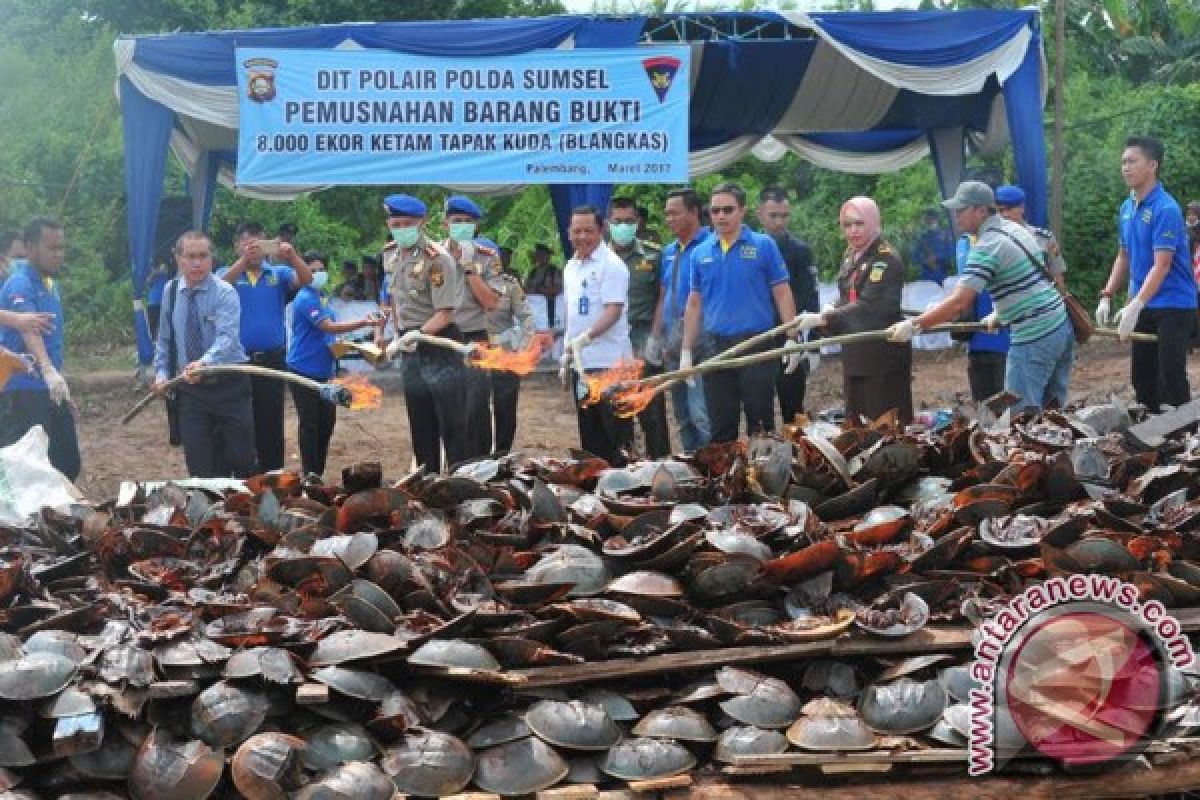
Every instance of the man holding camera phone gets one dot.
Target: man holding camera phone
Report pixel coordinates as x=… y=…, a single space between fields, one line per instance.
x=264 y=289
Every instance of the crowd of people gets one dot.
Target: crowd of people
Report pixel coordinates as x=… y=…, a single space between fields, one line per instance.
x=624 y=295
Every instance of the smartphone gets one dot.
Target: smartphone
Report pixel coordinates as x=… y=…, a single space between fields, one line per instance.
x=270 y=247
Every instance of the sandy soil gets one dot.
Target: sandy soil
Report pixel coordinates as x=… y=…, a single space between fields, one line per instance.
x=113 y=452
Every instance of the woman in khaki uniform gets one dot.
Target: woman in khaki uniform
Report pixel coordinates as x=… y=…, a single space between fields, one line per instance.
x=877 y=376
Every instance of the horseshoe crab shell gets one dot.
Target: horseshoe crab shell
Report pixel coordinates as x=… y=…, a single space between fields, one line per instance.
x=225 y=714
x=676 y=722
x=831 y=726
x=35 y=675
x=337 y=743
x=355 y=781
x=353 y=645
x=165 y=768
x=910 y=616
x=355 y=683
x=574 y=724
x=453 y=653
x=267 y=766
x=758 y=700
x=273 y=664
x=429 y=763
x=644 y=758
x=520 y=767
x=573 y=564
x=902 y=706
x=506 y=728
x=747 y=740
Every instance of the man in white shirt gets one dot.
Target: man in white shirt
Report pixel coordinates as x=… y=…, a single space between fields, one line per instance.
x=595 y=287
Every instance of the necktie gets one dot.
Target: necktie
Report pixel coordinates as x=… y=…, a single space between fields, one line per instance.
x=193 y=334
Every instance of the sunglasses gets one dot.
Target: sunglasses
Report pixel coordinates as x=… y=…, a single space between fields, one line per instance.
x=722 y=210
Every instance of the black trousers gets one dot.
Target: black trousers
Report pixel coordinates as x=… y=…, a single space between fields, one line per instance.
x=506 y=389
x=20 y=410
x=316 y=419
x=216 y=422
x=729 y=393
x=267 y=399
x=434 y=397
x=1158 y=370
x=985 y=374
x=790 y=389
x=653 y=418
x=478 y=396
x=601 y=432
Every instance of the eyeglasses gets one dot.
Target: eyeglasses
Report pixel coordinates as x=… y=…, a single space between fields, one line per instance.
x=715 y=210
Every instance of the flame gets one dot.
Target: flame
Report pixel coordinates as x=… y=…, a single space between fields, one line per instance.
x=598 y=385
x=363 y=394
x=520 y=362
x=634 y=400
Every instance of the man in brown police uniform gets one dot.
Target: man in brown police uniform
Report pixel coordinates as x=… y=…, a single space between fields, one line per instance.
x=642 y=259
x=426 y=291
x=475 y=261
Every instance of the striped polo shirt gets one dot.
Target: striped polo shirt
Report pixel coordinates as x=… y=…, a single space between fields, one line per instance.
x=1026 y=301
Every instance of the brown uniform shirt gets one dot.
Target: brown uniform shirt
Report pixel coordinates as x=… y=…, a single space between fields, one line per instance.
x=512 y=309
x=425 y=280
x=869 y=294
x=479 y=259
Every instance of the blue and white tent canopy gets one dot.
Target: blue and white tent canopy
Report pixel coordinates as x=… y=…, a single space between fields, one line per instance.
x=856 y=92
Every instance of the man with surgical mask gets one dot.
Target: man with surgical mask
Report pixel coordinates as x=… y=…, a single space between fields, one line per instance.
x=426 y=290
x=476 y=261
x=314 y=331
x=642 y=259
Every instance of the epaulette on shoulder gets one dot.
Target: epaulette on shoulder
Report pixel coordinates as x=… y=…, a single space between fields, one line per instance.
x=433 y=250
x=485 y=249
x=884 y=249
x=389 y=246
x=649 y=245
x=1043 y=232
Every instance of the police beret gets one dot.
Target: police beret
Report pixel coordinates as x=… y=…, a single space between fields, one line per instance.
x=457 y=204
x=403 y=205
x=1010 y=196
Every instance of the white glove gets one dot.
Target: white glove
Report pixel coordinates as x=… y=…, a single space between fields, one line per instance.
x=57 y=385
x=653 y=352
x=509 y=339
x=1127 y=318
x=992 y=321
x=792 y=362
x=563 y=363
x=576 y=345
x=405 y=344
x=903 y=332
x=1104 y=312
x=807 y=321
x=813 y=357
x=685 y=362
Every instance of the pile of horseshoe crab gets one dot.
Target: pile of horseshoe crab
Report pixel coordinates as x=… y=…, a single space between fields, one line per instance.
x=290 y=638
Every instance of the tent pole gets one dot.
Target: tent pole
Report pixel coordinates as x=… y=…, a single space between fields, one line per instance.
x=1058 y=166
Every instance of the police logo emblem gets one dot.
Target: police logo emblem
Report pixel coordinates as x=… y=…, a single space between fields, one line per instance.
x=1147 y=216
x=436 y=277
x=749 y=251
x=260 y=79
x=661 y=72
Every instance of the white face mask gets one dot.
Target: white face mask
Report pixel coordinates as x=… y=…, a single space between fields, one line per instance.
x=319 y=279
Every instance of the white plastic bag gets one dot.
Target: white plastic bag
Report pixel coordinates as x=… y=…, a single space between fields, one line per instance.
x=29 y=483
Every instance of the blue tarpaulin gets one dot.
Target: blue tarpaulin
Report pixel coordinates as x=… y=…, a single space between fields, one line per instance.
x=862 y=92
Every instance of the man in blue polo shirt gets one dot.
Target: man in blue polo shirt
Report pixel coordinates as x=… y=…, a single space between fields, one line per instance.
x=1155 y=258
x=40 y=398
x=682 y=215
x=739 y=282
x=264 y=290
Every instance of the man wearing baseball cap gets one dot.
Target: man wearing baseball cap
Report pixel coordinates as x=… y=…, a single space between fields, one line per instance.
x=1005 y=261
x=1010 y=204
x=426 y=291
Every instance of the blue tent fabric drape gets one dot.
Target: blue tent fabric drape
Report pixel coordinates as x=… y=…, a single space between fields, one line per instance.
x=1025 y=130
x=745 y=88
x=147 y=132
x=923 y=39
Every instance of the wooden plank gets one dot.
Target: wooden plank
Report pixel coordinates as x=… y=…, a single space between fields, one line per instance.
x=161 y=690
x=583 y=791
x=660 y=784
x=473 y=796
x=1111 y=785
x=312 y=694
x=798 y=759
x=933 y=639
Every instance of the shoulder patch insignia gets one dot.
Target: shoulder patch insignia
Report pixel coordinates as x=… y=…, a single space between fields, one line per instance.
x=436 y=277
x=884 y=248
x=876 y=273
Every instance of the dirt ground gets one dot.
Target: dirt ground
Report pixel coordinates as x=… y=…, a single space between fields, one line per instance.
x=113 y=452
